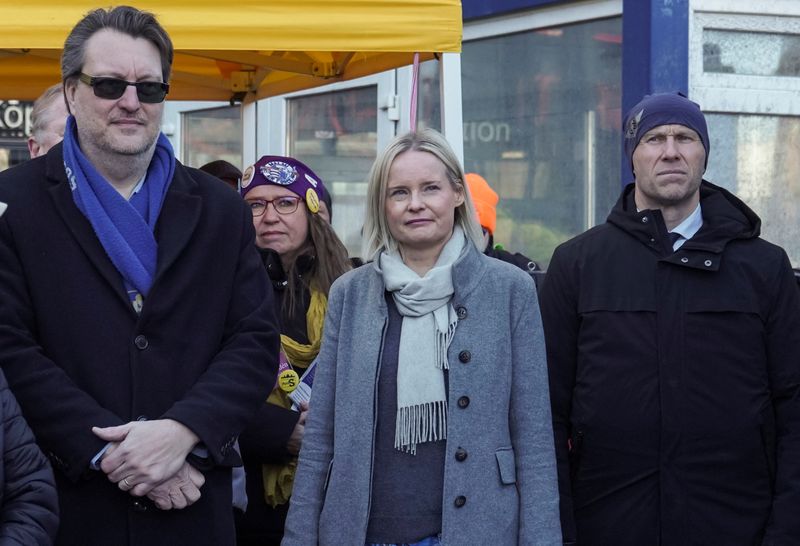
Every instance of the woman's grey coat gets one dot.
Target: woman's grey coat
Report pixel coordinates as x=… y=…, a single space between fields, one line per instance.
x=505 y=491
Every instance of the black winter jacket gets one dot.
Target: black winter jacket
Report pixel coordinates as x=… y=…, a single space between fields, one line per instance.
x=675 y=381
x=29 y=503
x=518 y=259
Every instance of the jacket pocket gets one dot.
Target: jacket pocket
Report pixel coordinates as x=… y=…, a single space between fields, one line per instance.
x=769 y=443
x=507 y=465
x=328 y=476
x=575 y=450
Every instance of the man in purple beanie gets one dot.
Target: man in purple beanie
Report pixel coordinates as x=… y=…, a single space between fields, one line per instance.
x=673 y=342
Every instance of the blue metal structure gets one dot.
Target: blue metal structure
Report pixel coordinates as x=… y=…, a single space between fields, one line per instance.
x=655 y=53
x=475 y=9
x=655 y=47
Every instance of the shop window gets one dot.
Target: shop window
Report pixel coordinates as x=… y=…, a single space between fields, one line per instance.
x=745 y=74
x=758 y=158
x=212 y=134
x=429 y=101
x=542 y=124
x=15 y=128
x=336 y=134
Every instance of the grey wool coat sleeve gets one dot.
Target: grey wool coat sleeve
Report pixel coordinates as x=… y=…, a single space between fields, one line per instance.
x=499 y=413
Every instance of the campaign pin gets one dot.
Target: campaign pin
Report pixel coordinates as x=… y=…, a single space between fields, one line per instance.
x=247 y=177
x=312 y=200
x=288 y=380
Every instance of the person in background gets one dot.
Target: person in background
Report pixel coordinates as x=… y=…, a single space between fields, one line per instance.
x=673 y=341
x=225 y=171
x=28 y=499
x=430 y=418
x=48 y=119
x=326 y=206
x=302 y=256
x=137 y=329
x=485 y=200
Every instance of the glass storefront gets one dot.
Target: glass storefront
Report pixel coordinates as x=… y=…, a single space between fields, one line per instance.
x=336 y=135
x=751 y=53
x=15 y=127
x=212 y=134
x=756 y=157
x=429 y=111
x=542 y=125
x=745 y=73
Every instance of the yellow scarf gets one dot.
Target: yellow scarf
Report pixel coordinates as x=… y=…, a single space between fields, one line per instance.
x=279 y=478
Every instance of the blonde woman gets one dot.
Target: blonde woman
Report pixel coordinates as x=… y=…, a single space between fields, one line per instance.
x=430 y=418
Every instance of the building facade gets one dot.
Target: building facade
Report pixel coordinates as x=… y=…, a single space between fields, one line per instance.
x=544 y=85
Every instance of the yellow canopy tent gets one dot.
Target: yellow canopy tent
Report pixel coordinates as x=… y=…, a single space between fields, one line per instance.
x=242 y=49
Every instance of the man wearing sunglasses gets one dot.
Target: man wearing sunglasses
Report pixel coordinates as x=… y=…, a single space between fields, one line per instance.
x=136 y=323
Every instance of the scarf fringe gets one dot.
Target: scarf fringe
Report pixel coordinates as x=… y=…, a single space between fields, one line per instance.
x=419 y=424
x=443 y=343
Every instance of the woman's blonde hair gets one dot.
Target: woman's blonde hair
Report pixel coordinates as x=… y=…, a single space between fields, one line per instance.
x=377 y=236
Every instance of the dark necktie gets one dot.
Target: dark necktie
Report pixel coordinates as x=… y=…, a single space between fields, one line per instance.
x=673 y=237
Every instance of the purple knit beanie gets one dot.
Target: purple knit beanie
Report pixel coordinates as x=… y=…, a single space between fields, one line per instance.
x=288 y=172
x=663 y=109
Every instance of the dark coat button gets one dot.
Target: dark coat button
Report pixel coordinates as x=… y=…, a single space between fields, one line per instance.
x=464 y=356
x=141 y=342
x=139 y=505
x=463 y=402
x=461 y=500
x=461 y=454
x=461 y=312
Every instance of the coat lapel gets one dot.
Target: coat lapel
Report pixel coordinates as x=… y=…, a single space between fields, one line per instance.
x=178 y=220
x=79 y=225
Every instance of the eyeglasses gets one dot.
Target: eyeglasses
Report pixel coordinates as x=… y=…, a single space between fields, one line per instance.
x=282 y=205
x=114 y=88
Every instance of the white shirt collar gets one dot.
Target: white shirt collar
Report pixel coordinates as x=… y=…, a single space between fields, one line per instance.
x=138 y=187
x=687 y=229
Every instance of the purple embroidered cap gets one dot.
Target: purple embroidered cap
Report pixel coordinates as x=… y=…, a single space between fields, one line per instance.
x=288 y=172
x=663 y=109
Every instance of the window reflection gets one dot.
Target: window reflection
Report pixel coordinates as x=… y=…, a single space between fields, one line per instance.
x=751 y=53
x=336 y=134
x=429 y=102
x=542 y=116
x=208 y=135
x=758 y=158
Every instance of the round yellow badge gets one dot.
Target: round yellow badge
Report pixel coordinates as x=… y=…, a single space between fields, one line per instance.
x=247 y=176
x=312 y=200
x=288 y=380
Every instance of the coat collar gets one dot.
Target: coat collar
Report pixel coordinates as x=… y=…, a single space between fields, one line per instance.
x=725 y=218
x=179 y=216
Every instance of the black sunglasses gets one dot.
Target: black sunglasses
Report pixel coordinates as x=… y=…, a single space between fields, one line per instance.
x=113 y=88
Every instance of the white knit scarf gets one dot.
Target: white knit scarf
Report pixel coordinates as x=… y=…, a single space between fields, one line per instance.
x=429 y=322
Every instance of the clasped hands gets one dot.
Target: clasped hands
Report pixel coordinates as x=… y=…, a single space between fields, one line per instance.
x=148 y=458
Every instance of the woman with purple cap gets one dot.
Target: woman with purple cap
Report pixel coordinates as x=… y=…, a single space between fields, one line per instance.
x=430 y=421
x=302 y=256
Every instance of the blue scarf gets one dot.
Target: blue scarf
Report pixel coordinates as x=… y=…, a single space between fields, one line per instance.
x=125 y=227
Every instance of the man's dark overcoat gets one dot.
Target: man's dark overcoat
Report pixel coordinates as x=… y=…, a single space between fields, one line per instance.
x=675 y=381
x=201 y=352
